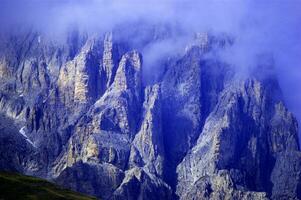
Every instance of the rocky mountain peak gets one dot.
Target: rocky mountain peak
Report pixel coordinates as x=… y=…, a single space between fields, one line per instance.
x=128 y=74
x=78 y=113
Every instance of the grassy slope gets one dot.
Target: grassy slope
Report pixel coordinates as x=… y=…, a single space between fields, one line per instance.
x=15 y=186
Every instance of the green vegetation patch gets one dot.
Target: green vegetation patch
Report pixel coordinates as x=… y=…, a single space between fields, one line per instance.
x=15 y=186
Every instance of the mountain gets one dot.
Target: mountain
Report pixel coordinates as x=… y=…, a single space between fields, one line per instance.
x=80 y=112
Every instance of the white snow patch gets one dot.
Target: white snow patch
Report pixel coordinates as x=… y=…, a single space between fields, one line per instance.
x=22 y=132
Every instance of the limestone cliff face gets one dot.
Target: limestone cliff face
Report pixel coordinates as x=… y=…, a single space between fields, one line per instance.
x=80 y=114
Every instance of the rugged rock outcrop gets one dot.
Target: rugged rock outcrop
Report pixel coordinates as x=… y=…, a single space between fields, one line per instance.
x=79 y=113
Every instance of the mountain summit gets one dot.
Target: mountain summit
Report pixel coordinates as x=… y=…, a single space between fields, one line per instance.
x=80 y=113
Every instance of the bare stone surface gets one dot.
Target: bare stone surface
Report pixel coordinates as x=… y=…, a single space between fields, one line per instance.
x=80 y=114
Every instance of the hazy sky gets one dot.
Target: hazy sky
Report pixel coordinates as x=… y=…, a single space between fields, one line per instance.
x=271 y=26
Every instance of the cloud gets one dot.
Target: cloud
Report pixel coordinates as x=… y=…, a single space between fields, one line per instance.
x=258 y=26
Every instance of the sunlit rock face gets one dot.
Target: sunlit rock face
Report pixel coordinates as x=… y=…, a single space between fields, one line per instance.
x=80 y=113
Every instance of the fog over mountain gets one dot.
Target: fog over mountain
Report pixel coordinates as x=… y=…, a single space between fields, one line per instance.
x=258 y=27
x=153 y=100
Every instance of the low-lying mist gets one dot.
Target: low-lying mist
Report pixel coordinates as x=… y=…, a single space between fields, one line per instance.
x=258 y=26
